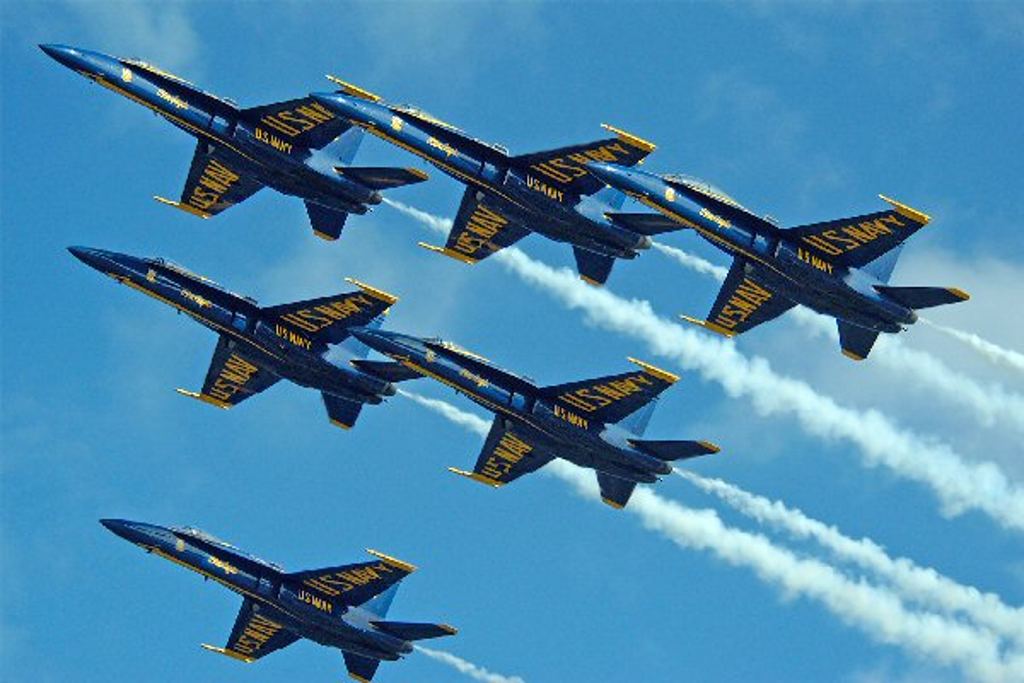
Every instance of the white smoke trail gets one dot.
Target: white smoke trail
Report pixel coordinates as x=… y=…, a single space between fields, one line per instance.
x=959 y=485
x=992 y=352
x=921 y=584
x=988 y=403
x=477 y=673
x=877 y=612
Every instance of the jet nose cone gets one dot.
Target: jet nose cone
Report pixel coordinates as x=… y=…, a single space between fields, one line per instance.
x=121 y=527
x=94 y=258
x=68 y=56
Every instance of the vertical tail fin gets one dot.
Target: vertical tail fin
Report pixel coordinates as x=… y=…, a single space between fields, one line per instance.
x=345 y=146
x=380 y=604
x=636 y=423
x=883 y=266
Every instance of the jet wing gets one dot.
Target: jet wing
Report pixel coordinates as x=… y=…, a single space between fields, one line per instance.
x=742 y=304
x=214 y=184
x=481 y=228
x=613 y=398
x=614 y=491
x=255 y=635
x=360 y=668
x=856 y=342
x=505 y=457
x=857 y=241
x=232 y=378
x=354 y=584
x=565 y=167
x=341 y=411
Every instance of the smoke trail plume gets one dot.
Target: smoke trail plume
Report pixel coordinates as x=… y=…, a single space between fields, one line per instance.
x=988 y=403
x=959 y=485
x=875 y=611
x=992 y=352
x=920 y=584
x=474 y=671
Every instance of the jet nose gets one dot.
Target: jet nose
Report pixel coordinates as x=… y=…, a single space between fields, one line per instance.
x=609 y=174
x=121 y=527
x=94 y=258
x=68 y=56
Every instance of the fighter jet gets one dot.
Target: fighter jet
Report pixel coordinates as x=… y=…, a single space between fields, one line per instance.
x=296 y=147
x=257 y=346
x=839 y=268
x=594 y=423
x=508 y=197
x=342 y=607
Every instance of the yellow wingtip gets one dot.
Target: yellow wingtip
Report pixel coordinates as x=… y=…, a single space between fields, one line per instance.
x=228 y=653
x=712 y=447
x=324 y=236
x=448 y=628
x=853 y=356
x=422 y=175
x=958 y=293
x=904 y=210
x=448 y=252
x=354 y=90
x=373 y=291
x=591 y=281
x=475 y=476
x=393 y=561
x=357 y=677
x=339 y=423
x=634 y=140
x=717 y=329
x=204 y=398
x=184 y=207
x=655 y=371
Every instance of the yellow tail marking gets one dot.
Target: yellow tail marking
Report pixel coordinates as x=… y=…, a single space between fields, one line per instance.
x=851 y=354
x=958 y=293
x=422 y=175
x=612 y=503
x=655 y=371
x=591 y=281
x=904 y=210
x=339 y=423
x=448 y=252
x=709 y=326
x=204 y=398
x=630 y=138
x=393 y=561
x=372 y=291
x=324 y=236
x=353 y=90
x=184 y=207
x=713 y=447
x=451 y=630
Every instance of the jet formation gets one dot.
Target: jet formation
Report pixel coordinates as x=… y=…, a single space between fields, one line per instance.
x=257 y=346
x=343 y=607
x=508 y=197
x=839 y=268
x=296 y=147
x=596 y=423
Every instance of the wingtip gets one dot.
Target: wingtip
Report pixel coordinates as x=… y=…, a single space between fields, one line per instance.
x=634 y=140
x=591 y=281
x=339 y=423
x=717 y=329
x=904 y=210
x=655 y=371
x=204 y=398
x=227 y=653
x=852 y=356
x=354 y=90
x=450 y=253
x=183 y=207
x=373 y=291
x=476 y=477
x=448 y=629
x=958 y=293
x=392 y=561
x=710 y=446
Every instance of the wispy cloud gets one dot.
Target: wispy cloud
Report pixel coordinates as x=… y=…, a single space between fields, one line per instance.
x=923 y=585
x=474 y=671
x=959 y=485
x=987 y=403
x=876 y=611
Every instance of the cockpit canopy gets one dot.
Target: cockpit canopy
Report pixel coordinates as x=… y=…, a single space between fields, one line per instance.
x=182 y=270
x=705 y=188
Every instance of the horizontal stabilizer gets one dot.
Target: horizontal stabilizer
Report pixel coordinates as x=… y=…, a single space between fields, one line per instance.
x=924 y=297
x=644 y=223
x=327 y=223
x=412 y=631
x=389 y=371
x=381 y=177
x=674 y=450
x=341 y=411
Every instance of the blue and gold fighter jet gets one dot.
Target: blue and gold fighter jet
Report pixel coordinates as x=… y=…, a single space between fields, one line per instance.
x=342 y=607
x=258 y=346
x=594 y=423
x=839 y=268
x=296 y=147
x=508 y=197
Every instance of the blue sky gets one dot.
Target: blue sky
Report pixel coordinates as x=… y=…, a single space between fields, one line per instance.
x=802 y=111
